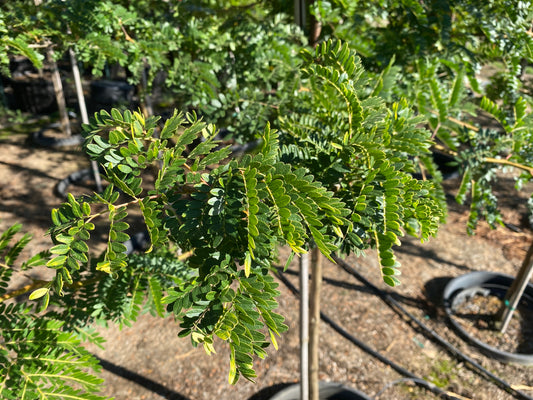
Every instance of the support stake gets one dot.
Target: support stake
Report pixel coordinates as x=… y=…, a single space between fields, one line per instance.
x=514 y=293
x=304 y=326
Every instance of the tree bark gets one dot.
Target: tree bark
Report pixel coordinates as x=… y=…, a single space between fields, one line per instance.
x=60 y=95
x=315 y=28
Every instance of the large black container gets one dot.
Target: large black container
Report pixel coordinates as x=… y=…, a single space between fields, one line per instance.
x=460 y=289
x=108 y=93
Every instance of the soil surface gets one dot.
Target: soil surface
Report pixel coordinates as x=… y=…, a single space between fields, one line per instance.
x=149 y=361
x=476 y=315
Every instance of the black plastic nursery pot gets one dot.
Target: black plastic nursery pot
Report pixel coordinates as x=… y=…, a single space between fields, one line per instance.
x=327 y=391
x=33 y=95
x=464 y=288
x=110 y=93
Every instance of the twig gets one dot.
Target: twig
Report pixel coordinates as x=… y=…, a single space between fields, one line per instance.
x=491 y=160
x=510 y=163
x=458 y=122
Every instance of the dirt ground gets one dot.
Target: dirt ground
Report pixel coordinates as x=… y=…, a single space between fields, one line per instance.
x=149 y=361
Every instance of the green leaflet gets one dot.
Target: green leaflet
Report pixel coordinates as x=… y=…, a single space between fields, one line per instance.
x=61 y=359
x=358 y=149
x=156 y=294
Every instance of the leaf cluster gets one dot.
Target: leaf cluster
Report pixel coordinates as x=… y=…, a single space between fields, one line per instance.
x=229 y=214
x=101 y=32
x=236 y=66
x=464 y=65
x=366 y=153
x=483 y=136
x=39 y=359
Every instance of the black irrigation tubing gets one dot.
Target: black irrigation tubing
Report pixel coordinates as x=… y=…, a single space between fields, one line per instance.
x=391 y=302
x=363 y=346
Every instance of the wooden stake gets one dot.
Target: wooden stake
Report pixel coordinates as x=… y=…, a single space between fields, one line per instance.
x=60 y=95
x=83 y=113
x=314 y=322
x=304 y=326
x=514 y=294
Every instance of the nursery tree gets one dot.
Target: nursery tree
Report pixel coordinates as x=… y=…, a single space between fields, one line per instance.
x=338 y=174
x=482 y=152
x=344 y=134
x=226 y=216
x=438 y=54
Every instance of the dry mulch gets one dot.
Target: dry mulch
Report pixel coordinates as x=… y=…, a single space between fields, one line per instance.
x=476 y=316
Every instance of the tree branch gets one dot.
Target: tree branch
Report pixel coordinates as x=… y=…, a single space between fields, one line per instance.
x=74 y=285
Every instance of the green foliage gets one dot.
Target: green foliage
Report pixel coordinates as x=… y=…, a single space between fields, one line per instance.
x=14 y=42
x=101 y=32
x=231 y=219
x=340 y=173
x=237 y=65
x=102 y=298
x=366 y=153
x=232 y=63
x=482 y=147
x=350 y=187
x=38 y=358
x=442 y=373
x=490 y=150
x=460 y=61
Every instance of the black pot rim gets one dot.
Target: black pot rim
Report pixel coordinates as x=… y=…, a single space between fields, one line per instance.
x=326 y=389
x=491 y=281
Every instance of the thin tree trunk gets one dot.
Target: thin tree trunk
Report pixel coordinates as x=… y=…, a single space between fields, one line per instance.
x=4 y=98
x=146 y=102
x=315 y=28
x=514 y=293
x=83 y=112
x=304 y=326
x=60 y=95
x=300 y=10
x=79 y=87
x=58 y=89
x=314 y=322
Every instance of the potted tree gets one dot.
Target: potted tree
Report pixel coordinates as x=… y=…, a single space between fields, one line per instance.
x=492 y=137
x=339 y=117
x=490 y=151
x=440 y=66
x=226 y=215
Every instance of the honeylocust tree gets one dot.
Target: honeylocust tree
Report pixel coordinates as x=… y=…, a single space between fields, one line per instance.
x=339 y=175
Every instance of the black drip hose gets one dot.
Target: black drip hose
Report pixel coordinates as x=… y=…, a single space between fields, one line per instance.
x=391 y=302
x=363 y=346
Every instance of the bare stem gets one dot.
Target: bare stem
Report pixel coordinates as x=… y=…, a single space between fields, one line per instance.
x=491 y=160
